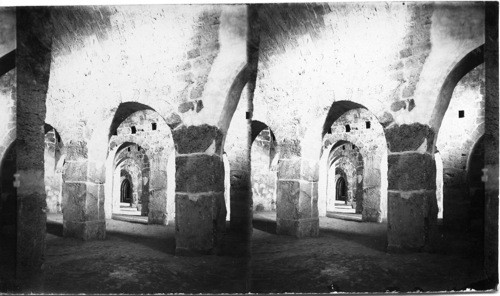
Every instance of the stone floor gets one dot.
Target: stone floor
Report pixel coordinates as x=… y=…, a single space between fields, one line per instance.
x=347 y=256
x=350 y=256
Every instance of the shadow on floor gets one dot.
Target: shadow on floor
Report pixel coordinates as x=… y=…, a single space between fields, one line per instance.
x=264 y=225
x=376 y=241
x=164 y=244
x=54 y=228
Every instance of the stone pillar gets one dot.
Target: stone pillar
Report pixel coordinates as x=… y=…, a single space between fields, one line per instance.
x=372 y=211
x=491 y=143
x=34 y=37
x=145 y=190
x=199 y=200
x=158 y=190
x=83 y=197
x=359 y=185
x=297 y=198
x=412 y=205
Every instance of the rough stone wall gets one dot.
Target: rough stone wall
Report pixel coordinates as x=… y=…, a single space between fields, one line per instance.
x=263 y=178
x=106 y=55
x=374 y=54
x=177 y=60
x=455 y=141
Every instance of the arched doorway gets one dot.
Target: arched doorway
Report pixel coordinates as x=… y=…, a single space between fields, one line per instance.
x=341 y=186
x=354 y=139
x=126 y=192
x=460 y=124
x=53 y=154
x=141 y=141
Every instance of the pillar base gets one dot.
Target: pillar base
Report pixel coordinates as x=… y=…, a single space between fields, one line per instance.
x=412 y=221
x=199 y=223
x=88 y=230
x=298 y=228
x=157 y=217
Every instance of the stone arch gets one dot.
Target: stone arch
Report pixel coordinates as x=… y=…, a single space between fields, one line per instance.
x=126 y=190
x=345 y=160
x=459 y=125
x=477 y=141
x=123 y=111
x=464 y=66
x=54 y=150
x=128 y=154
x=341 y=187
x=263 y=173
x=337 y=109
x=233 y=99
x=150 y=131
x=349 y=126
x=132 y=163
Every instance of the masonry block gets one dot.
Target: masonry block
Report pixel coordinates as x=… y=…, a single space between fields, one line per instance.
x=75 y=171
x=309 y=170
x=371 y=211
x=287 y=200
x=413 y=171
x=412 y=220
x=31 y=231
x=74 y=197
x=157 y=207
x=409 y=137
x=298 y=228
x=92 y=203
x=77 y=151
x=196 y=225
x=85 y=230
x=199 y=173
x=196 y=138
x=289 y=168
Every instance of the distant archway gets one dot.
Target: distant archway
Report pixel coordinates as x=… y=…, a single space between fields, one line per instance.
x=126 y=191
x=149 y=131
x=357 y=127
x=341 y=187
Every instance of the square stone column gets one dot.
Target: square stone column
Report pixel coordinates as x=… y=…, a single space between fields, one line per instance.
x=83 y=199
x=297 y=198
x=199 y=202
x=412 y=204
